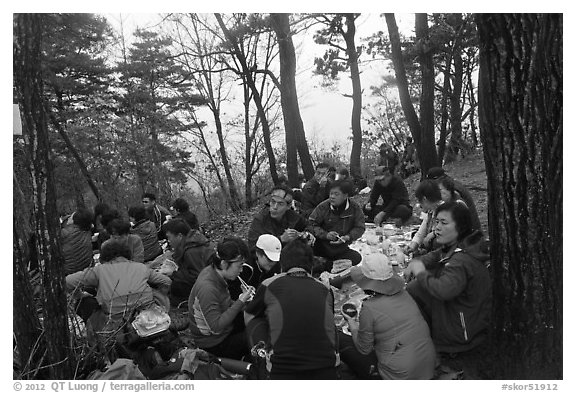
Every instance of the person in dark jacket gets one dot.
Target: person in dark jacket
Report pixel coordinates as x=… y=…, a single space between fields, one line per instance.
x=76 y=240
x=336 y=223
x=278 y=219
x=453 y=285
x=315 y=190
x=292 y=314
x=192 y=252
x=457 y=191
x=182 y=208
x=388 y=157
x=156 y=213
x=146 y=230
x=395 y=201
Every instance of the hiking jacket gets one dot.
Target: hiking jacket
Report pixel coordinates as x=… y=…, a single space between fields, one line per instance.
x=459 y=279
x=348 y=221
x=393 y=194
x=312 y=194
x=263 y=223
x=122 y=285
x=191 y=256
x=76 y=248
x=146 y=230
x=211 y=309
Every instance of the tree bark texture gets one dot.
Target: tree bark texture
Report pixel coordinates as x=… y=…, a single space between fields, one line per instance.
x=428 y=156
x=356 y=151
x=520 y=108
x=455 y=142
x=293 y=125
x=28 y=80
x=256 y=96
x=234 y=197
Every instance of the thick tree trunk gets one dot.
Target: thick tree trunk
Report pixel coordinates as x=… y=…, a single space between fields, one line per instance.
x=356 y=151
x=426 y=151
x=289 y=98
x=28 y=80
x=26 y=325
x=520 y=97
x=426 y=95
x=256 y=96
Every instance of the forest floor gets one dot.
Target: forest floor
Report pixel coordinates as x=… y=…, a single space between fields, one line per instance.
x=469 y=170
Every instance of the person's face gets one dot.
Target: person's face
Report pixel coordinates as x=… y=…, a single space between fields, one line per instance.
x=444 y=193
x=174 y=239
x=385 y=181
x=231 y=269
x=337 y=197
x=148 y=203
x=278 y=205
x=264 y=262
x=321 y=173
x=445 y=229
x=426 y=204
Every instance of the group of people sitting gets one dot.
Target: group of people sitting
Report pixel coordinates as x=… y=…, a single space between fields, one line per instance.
x=267 y=293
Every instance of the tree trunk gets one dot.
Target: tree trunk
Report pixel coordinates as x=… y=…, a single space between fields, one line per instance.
x=472 y=98
x=356 y=151
x=234 y=199
x=256 y=96
x=26 y=325
x=444 y=110
x=28 y=80
x=429 y=156
x=289 y=98
x=426 y=152
x=520 y=97
x=455 y=143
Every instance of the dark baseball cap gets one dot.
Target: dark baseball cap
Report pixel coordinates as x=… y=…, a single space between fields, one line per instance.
x=435 y=173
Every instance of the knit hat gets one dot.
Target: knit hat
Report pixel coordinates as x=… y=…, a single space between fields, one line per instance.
x=435 y=173
x=375 y=273
x=271 y=246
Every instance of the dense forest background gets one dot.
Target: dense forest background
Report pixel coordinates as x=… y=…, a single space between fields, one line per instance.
x=206 y=107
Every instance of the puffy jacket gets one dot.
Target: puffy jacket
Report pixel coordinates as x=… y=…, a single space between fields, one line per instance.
x=76 y=248
x=459 y=278
x=146 y=230
x=191 y=256
x=211 y=309
x=349 y=221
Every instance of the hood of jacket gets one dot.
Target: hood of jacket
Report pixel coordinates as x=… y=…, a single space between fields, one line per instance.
x=475 y=246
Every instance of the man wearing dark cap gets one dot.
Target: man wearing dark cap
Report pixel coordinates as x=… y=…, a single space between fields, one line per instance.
x=292 y=314
x=395 y=201
x=437 y=173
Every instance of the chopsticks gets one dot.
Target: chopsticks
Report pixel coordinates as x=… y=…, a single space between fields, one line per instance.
x=245 y=287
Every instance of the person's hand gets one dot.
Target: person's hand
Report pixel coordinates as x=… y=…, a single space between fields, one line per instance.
x=289 y=235
x=379 y=218
x=308 y=237
x=332 y=236
x=368 y=207
x=414 y=267
x=410 y=247
x=353 y=323
x=247 y=295
x=429 y=238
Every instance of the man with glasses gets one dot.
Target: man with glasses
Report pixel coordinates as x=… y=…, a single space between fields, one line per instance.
x=278 y=219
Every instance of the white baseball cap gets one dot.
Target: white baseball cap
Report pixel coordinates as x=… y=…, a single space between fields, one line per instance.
x=271 y=246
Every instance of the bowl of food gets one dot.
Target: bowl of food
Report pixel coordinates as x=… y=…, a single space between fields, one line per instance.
x=350 y=309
